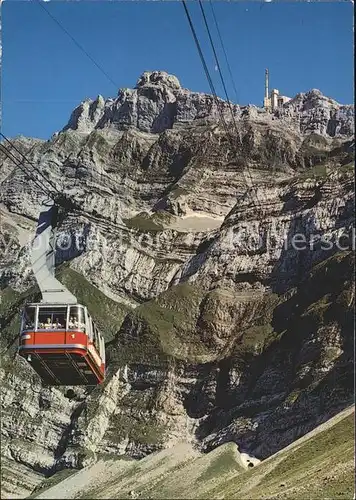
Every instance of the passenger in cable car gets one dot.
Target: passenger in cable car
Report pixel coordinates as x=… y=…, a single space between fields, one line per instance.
x=29 y=325
x=29 y=319
x=74 y=322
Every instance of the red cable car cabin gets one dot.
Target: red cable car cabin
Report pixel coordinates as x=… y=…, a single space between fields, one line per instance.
x=62 y=344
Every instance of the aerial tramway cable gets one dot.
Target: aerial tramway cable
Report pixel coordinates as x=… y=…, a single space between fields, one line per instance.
x=19 y=164
x=41 y=4
x=216 y=100
x=224 y=86
x=215 y=54
x=53 y=186
x=211 y=84
x=56 y=193
x=224 y=51
x=53 y=193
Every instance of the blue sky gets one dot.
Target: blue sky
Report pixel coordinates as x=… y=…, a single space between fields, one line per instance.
x=45 y=75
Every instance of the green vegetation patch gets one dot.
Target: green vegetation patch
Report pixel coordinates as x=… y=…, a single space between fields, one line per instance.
x=337 y=441
x=143 y=221
x=316 y=172
x=321 y=171
x=315 y=145
x=222 y=461
x=189 y=323
x=137 y=420
x=172 y=318
x=106 y=313
x=163 y=329
x=349 y=168
x=8 y=297
x=52 y=481
x=317 y=310
x=313 y=469
x=258 y=338
x=96 y=139
x=141 y=429
x=178 y=191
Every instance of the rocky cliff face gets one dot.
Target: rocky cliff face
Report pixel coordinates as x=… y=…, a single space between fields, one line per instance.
x=218 y=325
x=158 y=102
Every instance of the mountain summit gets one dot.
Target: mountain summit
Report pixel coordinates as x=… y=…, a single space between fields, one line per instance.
x=158 y=102
x=215 y=259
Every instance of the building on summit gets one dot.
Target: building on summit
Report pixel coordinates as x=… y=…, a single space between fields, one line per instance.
x=273 y=101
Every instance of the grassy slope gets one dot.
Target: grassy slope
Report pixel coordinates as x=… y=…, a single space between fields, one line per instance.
x=152 y=223
x=52 y=481
x=11 y=304
x=107 y=314
x=176 y=326
x=321 y=171
x=172 y=320
x=319 y=465
x=183 y=322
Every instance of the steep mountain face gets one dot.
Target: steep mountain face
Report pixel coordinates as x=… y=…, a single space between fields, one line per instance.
x=181 y=472
x=220 y=271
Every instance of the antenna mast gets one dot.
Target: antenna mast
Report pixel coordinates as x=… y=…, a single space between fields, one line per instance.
x=267 y=99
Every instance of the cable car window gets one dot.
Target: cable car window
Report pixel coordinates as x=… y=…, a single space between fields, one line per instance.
x=76 y=318
x=29 y=318
x=102 y=353
x=96 y=338
x=91 y=329
x=52 y=318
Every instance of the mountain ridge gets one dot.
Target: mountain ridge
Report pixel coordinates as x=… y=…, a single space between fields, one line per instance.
x=217 y=329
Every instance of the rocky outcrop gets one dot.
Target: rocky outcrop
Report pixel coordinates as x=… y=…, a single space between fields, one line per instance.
x=181 y=472
x=314 y=112
x=35 y=419
x=158 y=102
x=207 y=368
x=218 y=326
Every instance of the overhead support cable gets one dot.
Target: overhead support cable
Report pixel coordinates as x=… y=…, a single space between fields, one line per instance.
x=57 y=196
x=216 y=99
x=41 y=4
x=219 y=68
x=212 y=88
x=222 y=81
x=19 y=164
x=53 y=186
x=211 y=84
x=214 y=52
x=224 y=51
